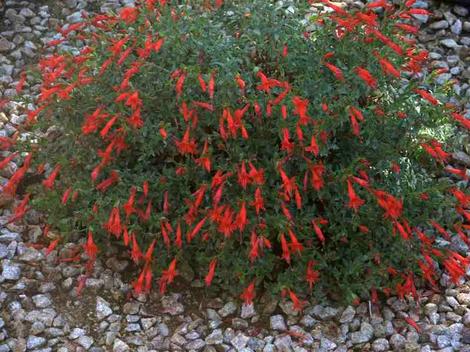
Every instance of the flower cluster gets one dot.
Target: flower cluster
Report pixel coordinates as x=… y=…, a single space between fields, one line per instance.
x=190 y=133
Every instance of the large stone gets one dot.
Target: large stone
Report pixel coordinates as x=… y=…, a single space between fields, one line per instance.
x=460 y=10
x=103 y=309
x=7 y=236
x=34 y=342
x=365 y=334
x=248 y=311
x=215 y=337
x=120 y=346
x=239 y=341
x=76 y=333
x=283 y=343
x=171 y=305
x=277 y=323
x=85 y=341
x=442 y=24
x=449 y=43
x=11 y=271
x=380 y=345
x=398 y=342
x=464 y=298
x=228 y=309
x=5 y=45
x=31 y=254
x=348 y=315
x=42 y=301
x=195 y=345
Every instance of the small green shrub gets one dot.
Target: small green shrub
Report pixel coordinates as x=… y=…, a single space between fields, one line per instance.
x=259 y=148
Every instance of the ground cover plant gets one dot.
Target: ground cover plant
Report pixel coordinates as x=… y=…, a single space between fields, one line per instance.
x=261 y=146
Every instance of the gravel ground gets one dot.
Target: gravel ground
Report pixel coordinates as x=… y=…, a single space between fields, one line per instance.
x=40 y=309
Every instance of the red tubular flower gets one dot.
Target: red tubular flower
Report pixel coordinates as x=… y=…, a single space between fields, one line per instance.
x=254 y=247
x=136 y=254
x=313 y=148
x=459 y=172
x=427 y=96
x=407 y=27
x=113 y=225
x=355 y=202
x=267 y=83
x=108 y=126
x=105 y=184
x=285 y=249
x=318 y=232
x=190 y=236
x=241 y=220
x=463 y=121
x=393 y=207
x=178 y=236
x=180 y=84
x=90 y=247
x=249 y=293
x=298 y=304
x=20 y=210
x=366 y=76
x=434 y=149
x=149 y=253
x=425 y=240
x=387 y=66
x=129 y=206
x=49 y=182
x=138 y=285
x=256 y=175
x=211 y=86
x=286 y=144
x=317 y=171
x=12 y=184
x=301 y=109
x=52 y=246
x=204 y=160
x=210 y=274
x=295 y=245
x=202 y=83
x=335 y=70
x=363 y=229
x=129 y=14
x=7 y=160
x=403 y=232
x=163 y=229
x=339 y=10
x=241 y=84
x=187 y=145
x=168 y=276
x=258 y=202
x=440 y=229
x=456 y=266
x=413 y=324
x=408 y=287
x=312 y=275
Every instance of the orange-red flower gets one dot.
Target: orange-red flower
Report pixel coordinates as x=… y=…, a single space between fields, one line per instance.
x=129 y=14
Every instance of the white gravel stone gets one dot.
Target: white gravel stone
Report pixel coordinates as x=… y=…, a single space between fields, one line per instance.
x=449 y=43
x=34 y=342
x=277 y=322
x=42 y=301
x=380 y=345
x=10 y=271
x=103 y=308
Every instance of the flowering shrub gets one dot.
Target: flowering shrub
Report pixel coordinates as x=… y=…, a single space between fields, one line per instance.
x=259 y=149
